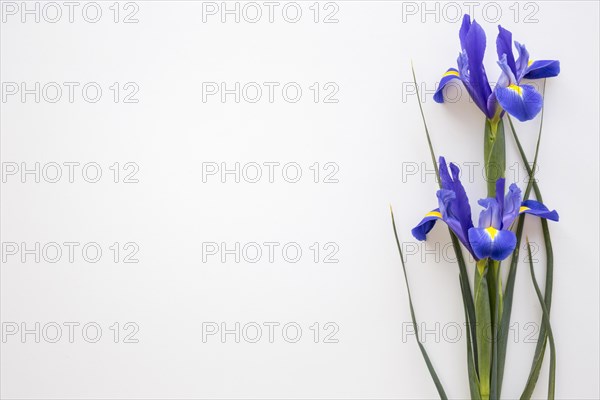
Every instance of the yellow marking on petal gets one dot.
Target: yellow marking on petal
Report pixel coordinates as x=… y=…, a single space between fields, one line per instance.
x=434 y=214
x=523 y=209
x=451 y=72
x=516 y=89
x=492 y=232
x=529 y=63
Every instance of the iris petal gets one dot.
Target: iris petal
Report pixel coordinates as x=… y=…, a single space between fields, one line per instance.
x=492 y=104
x=504 y=47
x=454 y=203
x=522 y=60
x=490 y=215
x=492 y=243
x=523 y=102
x=463 y=209
x=464 y=29
x=475 y=49
x=447 y=202
x=445 y=179
x=507 y=77
x=461 y=193
x=450 y=75
x=422 y=229
x=504 y=244
x=542 y=69
x=538 y=209
x=500 y=183
x=512 y=204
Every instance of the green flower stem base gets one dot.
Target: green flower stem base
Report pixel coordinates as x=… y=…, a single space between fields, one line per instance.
x=494 y=152
x=483 y=316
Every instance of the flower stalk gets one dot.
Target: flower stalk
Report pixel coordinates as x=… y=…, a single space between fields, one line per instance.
x=483 y=314
x=494 y=153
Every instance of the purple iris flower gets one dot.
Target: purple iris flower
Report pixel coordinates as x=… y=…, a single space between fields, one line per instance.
x=520 y=100
x=492 y=238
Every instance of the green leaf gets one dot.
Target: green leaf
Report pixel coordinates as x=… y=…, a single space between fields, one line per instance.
x=543 y=335
x=432 y=372
x=508 y=295
x=484 y=327
x=507 y=308
x=471 y=368
x=434 y=159
x=546 y=320
x=467 y=295
x=531 y=172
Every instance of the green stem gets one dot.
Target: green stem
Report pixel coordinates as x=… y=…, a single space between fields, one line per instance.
x=497 y=305
x=494 y=152
x=484 y=323
x=471 y=365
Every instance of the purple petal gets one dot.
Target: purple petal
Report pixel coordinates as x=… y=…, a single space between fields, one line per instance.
x=521 y=101
x=448 y=76
x=464 y=29
x=512 y=204
x=522 y=60
x=504 y=47
x=492 y=243
x=538 y=209
x=542 y=69
x=475 y=43
x=422 y=229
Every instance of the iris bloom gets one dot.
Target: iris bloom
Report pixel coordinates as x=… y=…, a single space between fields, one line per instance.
x=520 y=100
x=492 y=237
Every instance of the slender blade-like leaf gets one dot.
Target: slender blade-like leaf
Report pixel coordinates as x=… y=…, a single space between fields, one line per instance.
x=508 y=295
x=437 y=172
x=507 y=307
x=546 y=319
x=467 y=295
x=543 y=335
x=471 y=369
x=430 y=367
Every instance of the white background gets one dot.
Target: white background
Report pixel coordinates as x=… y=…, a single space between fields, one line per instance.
x=373 y=133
